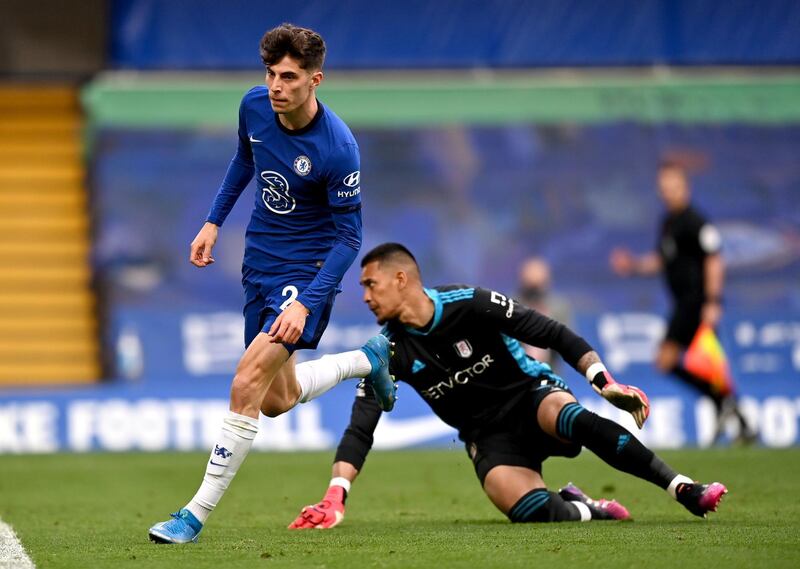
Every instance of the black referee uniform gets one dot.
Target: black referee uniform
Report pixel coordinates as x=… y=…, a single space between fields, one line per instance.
x=685 y=240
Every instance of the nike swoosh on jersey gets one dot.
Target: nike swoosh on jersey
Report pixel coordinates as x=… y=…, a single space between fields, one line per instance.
x=253 y=139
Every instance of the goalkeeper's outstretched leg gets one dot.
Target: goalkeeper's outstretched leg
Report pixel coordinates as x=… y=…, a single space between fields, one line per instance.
x=561 y=416
x=520 y=493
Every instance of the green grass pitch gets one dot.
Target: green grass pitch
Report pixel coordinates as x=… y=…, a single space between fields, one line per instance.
x=410 y=509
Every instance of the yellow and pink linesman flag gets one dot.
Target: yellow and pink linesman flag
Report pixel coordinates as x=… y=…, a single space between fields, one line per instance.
x=706 y=359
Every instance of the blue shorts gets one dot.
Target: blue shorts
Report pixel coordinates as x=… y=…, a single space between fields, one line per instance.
x=267 y=294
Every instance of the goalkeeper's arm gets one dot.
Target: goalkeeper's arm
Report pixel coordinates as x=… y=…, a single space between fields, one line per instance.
x=350 y=457
x=536 y=329
x=626 y=397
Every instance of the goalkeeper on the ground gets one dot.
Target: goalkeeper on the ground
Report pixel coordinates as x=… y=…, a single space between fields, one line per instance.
x=459 y=348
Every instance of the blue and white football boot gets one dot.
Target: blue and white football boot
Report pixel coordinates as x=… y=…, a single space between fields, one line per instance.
x=184 y=527
x=378 y=350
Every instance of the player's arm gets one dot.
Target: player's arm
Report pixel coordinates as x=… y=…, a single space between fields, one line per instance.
x=344 y=199
x=531 y=327
x=345 y=203
x=710 y=242
x=626 y=397
x=350 y=457
x=240 y=172
x=626 y=264
x=714 y=269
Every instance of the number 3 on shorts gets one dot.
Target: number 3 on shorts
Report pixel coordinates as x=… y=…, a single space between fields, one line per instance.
x=291 y=290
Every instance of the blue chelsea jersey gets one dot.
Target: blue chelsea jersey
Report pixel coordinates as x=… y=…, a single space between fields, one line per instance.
x=308 y=195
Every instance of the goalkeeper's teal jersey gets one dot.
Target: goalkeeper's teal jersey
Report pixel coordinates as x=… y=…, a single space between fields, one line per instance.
x=468 y=363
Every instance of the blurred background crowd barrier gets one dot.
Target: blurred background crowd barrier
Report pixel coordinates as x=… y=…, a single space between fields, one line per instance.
x=489 y=132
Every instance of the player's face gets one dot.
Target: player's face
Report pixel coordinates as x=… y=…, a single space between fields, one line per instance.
x=673 y=188
x=290 y=86
x=382 y=291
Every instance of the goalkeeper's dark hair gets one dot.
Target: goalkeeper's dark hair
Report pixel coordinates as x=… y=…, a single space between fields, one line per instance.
x=303 y=45
x=389 y=252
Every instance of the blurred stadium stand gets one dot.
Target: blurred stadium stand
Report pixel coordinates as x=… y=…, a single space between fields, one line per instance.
x=48 y=312
x=489 y=131
x=48 y=325
x=465 y=34
x=51 y=39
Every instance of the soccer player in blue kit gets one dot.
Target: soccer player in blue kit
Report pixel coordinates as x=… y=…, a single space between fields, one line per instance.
x=304 y=233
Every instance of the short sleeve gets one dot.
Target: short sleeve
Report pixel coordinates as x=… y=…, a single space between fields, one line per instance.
x=710 y=239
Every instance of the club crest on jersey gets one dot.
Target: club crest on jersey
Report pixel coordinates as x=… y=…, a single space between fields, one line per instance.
x=302 y=165
x=275 y=193
x=463 y=348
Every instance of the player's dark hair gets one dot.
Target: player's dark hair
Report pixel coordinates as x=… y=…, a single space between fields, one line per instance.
x=671 y=164
x=387 y=251
x=303 y=45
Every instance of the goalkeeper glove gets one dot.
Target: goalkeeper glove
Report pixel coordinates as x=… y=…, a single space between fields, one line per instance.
x=325 y=514
x=626 y=397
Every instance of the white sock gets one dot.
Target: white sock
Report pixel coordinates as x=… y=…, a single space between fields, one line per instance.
x=318 y=376
x=673 y=486
x=238 y=432
x=583 y=510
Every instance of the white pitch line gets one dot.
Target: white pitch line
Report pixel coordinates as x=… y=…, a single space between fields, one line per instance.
x=12 y=554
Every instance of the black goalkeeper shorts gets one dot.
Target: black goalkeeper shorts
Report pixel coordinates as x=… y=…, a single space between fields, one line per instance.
x=520 y=441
